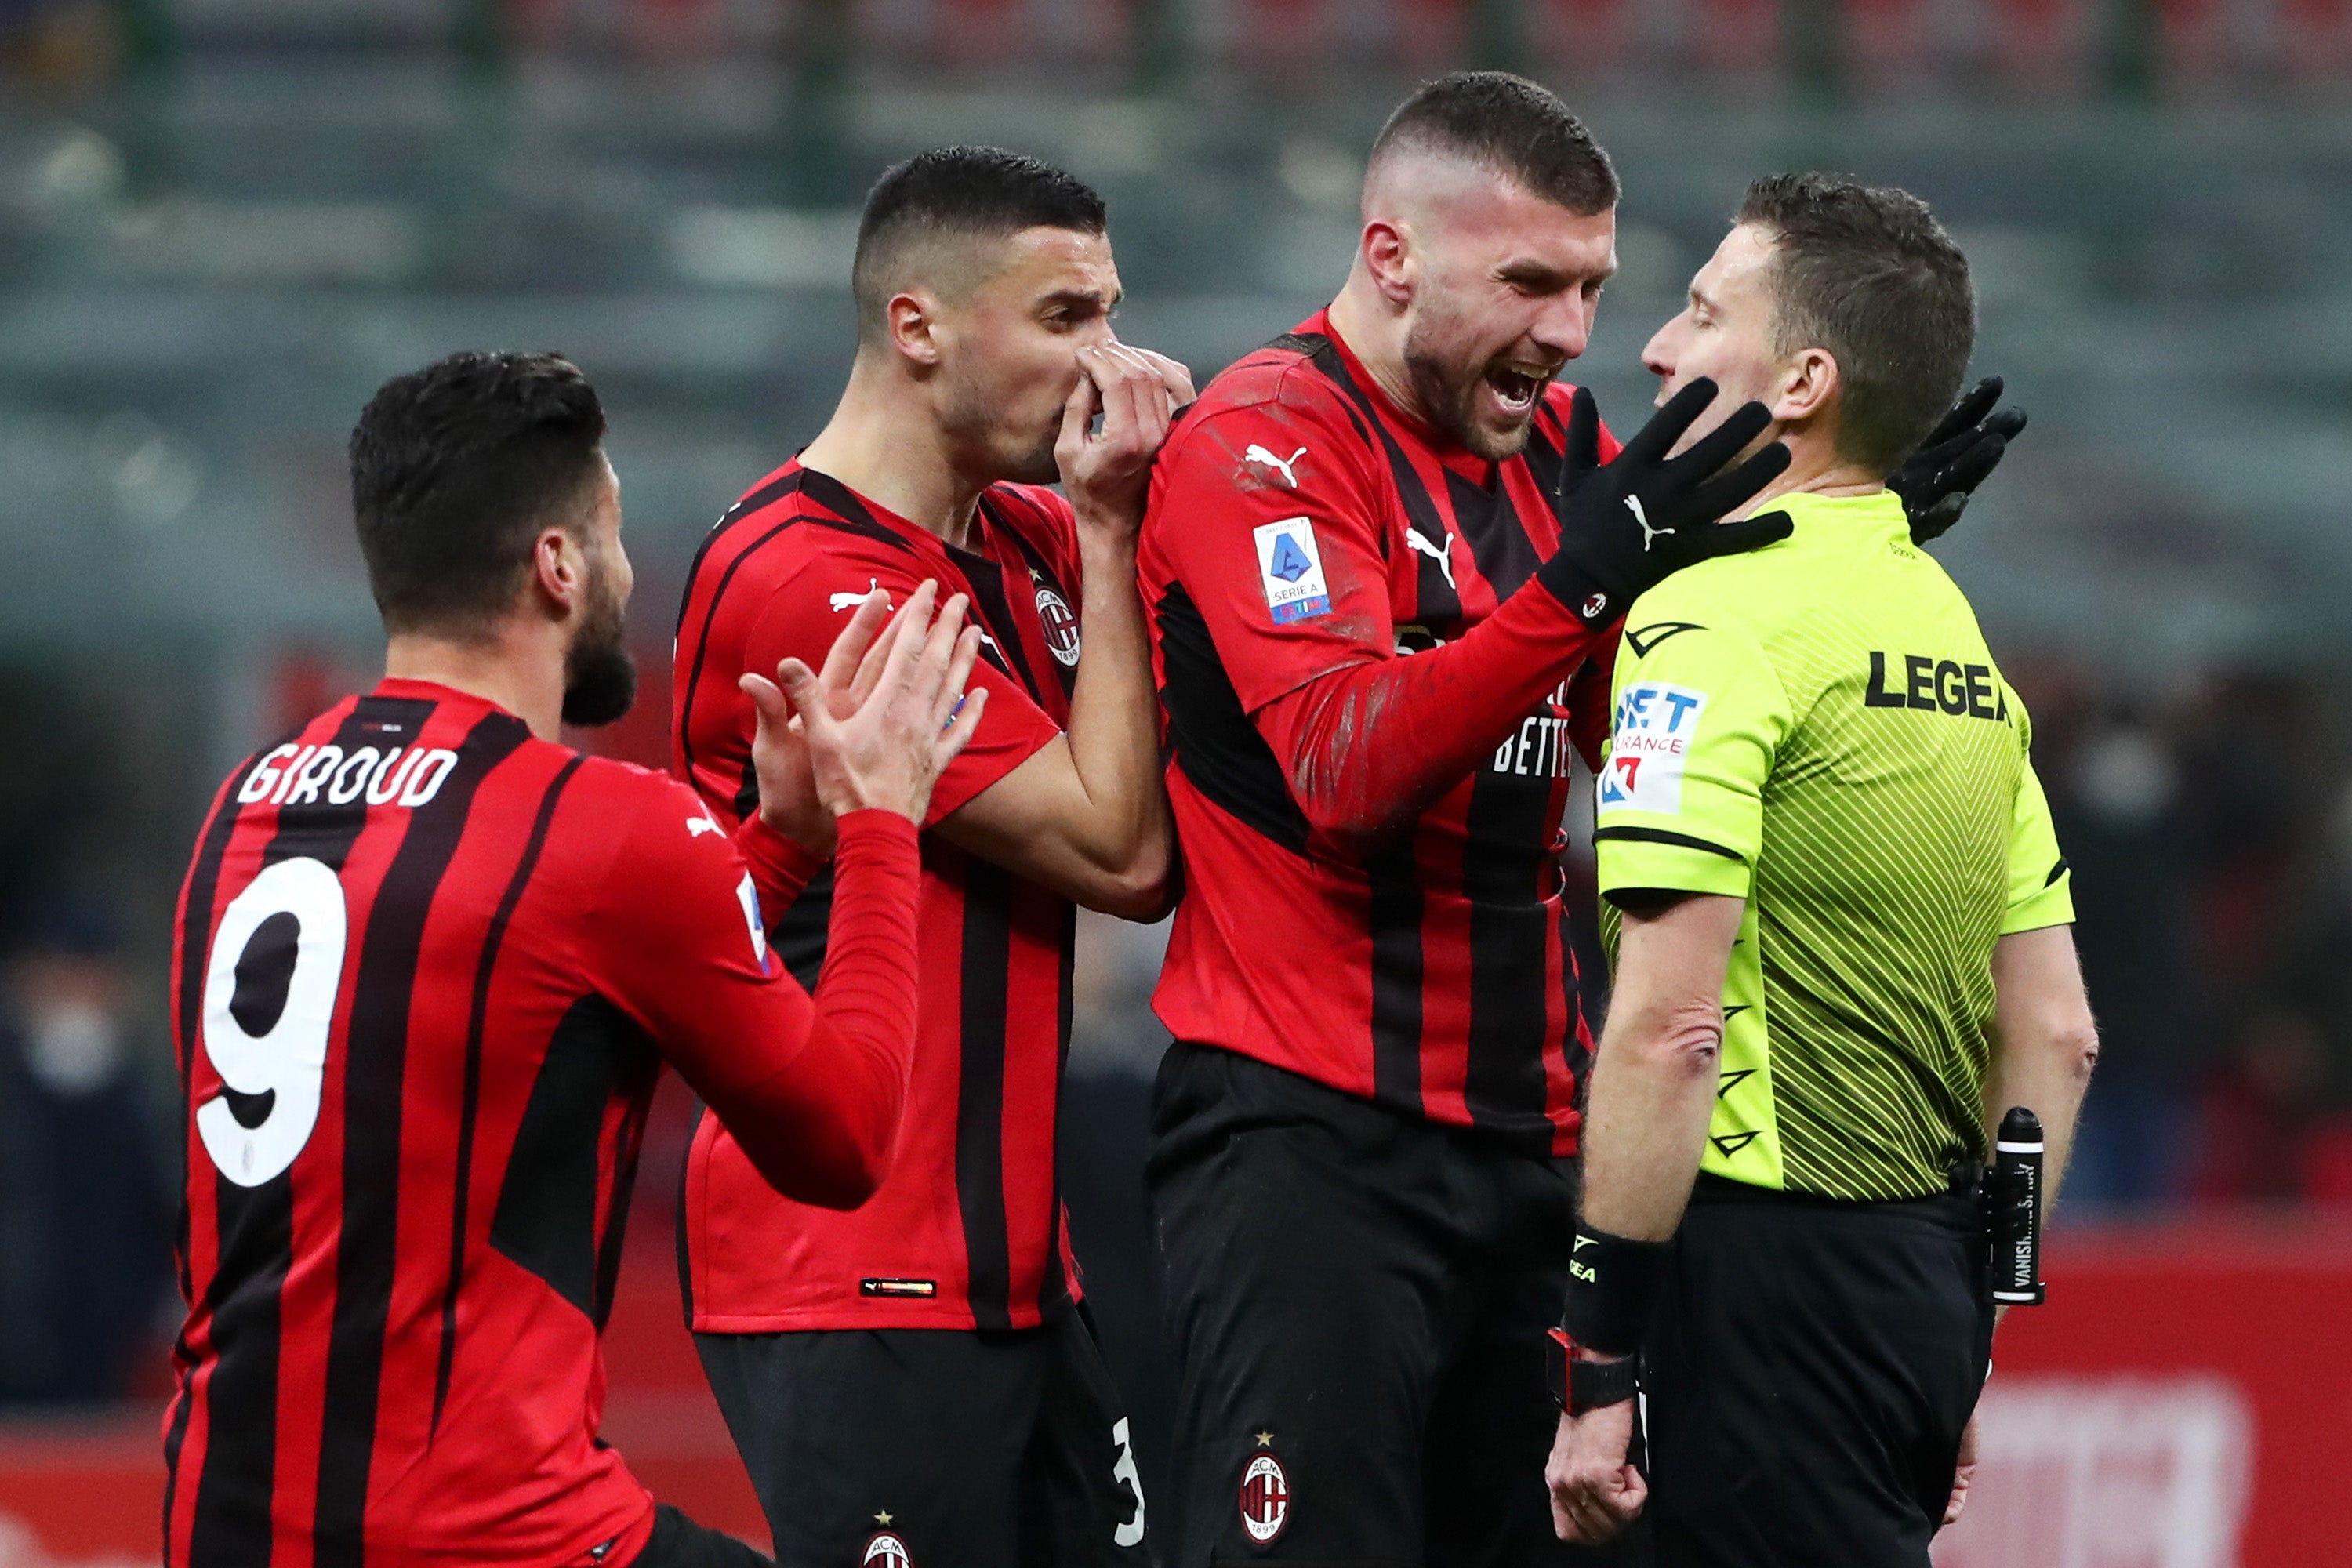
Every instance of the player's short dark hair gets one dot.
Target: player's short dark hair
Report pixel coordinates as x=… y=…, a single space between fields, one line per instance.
x=1866 y=272
x=958 y=194
x=455 y=469
x=1516 y=127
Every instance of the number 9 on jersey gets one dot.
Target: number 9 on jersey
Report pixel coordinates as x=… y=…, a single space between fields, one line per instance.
x=277 y=963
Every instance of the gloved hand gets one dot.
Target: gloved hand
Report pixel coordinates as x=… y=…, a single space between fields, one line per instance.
x=1936 y=481
x=1628 y=524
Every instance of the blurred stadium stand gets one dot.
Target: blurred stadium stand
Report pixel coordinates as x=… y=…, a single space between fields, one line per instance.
x=223 y=223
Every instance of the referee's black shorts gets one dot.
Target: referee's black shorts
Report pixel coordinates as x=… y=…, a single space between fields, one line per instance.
x=1358 y=1302
x=1808 y=1374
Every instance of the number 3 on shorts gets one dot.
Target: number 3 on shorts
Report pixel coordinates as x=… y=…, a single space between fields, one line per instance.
x=1130 y=1533
x=270 y=1001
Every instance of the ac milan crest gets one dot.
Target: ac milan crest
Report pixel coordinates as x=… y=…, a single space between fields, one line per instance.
x=1265 y=1498
x=1061 y=626
x=886 y=1550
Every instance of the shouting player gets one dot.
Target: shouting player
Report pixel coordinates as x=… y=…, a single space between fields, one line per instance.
x=916 y=1371
x=428 y=964
x=1360 y=1139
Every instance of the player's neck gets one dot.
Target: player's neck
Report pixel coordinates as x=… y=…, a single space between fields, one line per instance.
x=521 y=671
x=1375 y=335
x=886 y=446
x=1814 y=469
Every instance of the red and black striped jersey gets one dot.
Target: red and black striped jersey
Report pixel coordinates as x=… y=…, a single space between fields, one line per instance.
x=1305 y=531
x=968 y=1230
x=425 y=972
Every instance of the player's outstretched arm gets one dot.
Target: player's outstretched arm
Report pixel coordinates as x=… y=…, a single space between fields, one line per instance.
x=1086 y=815
x=1370 y=746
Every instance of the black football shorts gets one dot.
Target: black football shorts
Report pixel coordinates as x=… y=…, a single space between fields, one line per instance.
x=1807 y=1376
x=933 y=1447
x=1358 y=1302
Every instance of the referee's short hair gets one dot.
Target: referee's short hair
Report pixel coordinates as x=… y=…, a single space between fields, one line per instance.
x=1516 y=127
x=1866 y=272
x=924 y=216
x=455 y=469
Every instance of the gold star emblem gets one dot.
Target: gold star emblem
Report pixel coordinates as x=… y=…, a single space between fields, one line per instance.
x=1265 y=1439
x=882 y=1518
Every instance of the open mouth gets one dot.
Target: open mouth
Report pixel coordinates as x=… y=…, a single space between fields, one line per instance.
x=1516 y=390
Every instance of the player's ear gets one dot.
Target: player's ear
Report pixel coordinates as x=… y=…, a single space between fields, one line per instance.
x=559 y=573
x=1387 y=254
x=1808 y=384
x=912 y=317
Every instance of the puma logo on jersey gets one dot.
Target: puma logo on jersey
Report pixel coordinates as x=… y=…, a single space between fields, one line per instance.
x=1257 y=454
x=1441 y=553
x=841 y=601
x=1634 y=505
x=696 y=826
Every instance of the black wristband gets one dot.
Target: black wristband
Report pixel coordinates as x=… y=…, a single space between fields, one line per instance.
x=1613 y=1283
x=1578 y=1385
x=1576 y=589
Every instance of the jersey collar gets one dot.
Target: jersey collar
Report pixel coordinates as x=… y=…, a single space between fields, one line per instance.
x=1843 y=521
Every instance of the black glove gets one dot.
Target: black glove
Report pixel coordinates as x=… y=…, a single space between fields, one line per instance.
x=1936 y=481
x=1628 y=524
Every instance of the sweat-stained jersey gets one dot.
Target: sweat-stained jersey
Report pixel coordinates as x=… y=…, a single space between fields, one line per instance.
x=968 y=1231
x=425 y=972
x=1817 y=727
x=1303 y=524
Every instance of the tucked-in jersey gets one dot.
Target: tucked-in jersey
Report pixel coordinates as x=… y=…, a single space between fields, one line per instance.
x=968 y=1230
x=425 y=972
x=1301 y=524
x=1817 y=728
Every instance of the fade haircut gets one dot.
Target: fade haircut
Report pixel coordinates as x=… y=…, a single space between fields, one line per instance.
x=1511 y=125
x=1866 y=272
x=455 y=469
x=927 y=212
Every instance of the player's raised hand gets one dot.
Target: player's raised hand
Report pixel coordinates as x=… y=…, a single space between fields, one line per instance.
x=1628 y=524
x=1957 y=455
x=1108 y=472
x=913 y=718
x=780 y=759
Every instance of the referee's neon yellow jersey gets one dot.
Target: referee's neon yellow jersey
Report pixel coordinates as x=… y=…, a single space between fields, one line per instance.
x=1816 y=726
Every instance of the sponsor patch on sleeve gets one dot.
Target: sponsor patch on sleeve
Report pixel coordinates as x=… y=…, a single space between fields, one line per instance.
x=1647 y=747
x=1291 y=563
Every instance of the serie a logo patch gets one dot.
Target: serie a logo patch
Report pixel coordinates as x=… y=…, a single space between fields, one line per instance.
x=1265 y=1498
x=1291 y=563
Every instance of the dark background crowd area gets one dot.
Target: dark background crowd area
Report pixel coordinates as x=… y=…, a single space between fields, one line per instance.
x=223 y=222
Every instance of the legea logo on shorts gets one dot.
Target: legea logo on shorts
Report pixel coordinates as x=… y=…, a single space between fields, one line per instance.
x=1265 y=1498
x=1648 y=746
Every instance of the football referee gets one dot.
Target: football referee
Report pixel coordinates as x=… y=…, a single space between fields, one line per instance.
x=1845 y=948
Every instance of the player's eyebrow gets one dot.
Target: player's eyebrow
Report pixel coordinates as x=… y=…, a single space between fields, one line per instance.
x=1526 y=272
x=1699 y=298
x=1063 y=298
